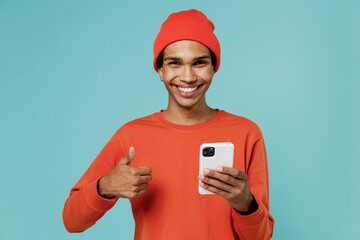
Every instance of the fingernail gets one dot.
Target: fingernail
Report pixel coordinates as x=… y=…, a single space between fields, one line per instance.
x=201 y=176
x=220 y=169
x=206 y=171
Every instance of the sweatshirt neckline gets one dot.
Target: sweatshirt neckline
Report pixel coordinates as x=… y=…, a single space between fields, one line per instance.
x=212 y=121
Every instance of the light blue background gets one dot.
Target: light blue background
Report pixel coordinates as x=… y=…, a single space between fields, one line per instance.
x=72 y=72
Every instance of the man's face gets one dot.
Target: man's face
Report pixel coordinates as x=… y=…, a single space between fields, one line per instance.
x=187 y=72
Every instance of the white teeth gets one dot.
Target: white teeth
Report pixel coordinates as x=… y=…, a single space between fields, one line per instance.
x=187 y=90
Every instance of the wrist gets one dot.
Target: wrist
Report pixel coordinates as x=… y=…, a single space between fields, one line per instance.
x=101 y=189
x=252 y=207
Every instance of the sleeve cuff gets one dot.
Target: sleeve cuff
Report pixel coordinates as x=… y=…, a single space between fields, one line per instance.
x=251 y=219
x=95 y=200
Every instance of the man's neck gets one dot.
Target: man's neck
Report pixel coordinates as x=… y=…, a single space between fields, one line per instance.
x=191 y=116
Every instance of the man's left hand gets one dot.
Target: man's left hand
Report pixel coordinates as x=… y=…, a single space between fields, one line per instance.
x=230 y=183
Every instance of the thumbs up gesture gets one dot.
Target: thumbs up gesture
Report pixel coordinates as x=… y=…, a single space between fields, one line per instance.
x=124 y=180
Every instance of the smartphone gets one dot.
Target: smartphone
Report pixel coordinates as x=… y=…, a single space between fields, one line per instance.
x=213 y=155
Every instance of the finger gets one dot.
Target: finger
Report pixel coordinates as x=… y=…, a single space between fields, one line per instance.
x=136 y=194
x=232 y=172
x=142 y=186
x=228 y=179
x=141 y=192
x=213 y=189
x=139 y=188
x=145 y=179
x=131 y=153
x=132 y=194
x=216 y=183
x=128 y=158
x=142 y=171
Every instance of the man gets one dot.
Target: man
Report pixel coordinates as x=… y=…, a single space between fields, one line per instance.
x=162 y=180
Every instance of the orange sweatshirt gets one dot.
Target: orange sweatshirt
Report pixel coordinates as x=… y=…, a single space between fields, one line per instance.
x=172 y=208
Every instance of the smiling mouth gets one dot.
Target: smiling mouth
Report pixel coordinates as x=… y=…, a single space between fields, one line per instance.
x=188 y=92
x=188 y=89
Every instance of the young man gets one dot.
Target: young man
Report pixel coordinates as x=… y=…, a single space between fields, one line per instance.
x=162 y=180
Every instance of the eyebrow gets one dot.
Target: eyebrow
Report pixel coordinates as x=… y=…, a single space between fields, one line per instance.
x=194 y=59
x=201 y=57
x=172 y=58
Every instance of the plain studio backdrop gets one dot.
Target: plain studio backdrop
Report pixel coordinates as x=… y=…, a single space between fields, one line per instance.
x=73 y=72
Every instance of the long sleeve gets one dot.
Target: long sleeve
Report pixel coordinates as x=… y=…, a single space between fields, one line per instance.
x=259 y=224
x=84 y=205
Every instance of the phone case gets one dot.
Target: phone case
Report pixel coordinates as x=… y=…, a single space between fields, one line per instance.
x=224 y=156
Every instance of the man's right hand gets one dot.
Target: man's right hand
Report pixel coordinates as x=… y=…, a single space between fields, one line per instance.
x=125 y=181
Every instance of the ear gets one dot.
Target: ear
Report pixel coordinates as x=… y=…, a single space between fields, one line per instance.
x=212 y=70
x=160 y=72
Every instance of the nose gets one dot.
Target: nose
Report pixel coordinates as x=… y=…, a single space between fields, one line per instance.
x=187 y=75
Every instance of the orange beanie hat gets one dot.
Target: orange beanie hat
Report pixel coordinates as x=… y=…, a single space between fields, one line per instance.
x=187 y=25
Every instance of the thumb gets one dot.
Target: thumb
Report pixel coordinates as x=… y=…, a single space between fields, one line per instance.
x=128 y=158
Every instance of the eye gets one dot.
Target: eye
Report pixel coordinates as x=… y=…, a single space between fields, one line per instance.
x=174 y=63
x=201 y=62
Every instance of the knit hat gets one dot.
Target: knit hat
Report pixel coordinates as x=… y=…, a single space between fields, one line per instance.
x=187 y=25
